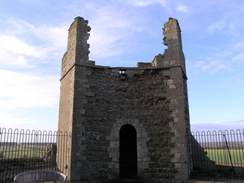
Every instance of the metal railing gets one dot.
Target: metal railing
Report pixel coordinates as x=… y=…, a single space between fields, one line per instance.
x=215 y=156
x=219 y=155
x=24 y=150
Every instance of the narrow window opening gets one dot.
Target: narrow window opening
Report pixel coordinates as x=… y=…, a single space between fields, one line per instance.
x=122 y=72
x=123 y=75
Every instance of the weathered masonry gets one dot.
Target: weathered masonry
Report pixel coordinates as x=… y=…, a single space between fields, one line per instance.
x=125 y=123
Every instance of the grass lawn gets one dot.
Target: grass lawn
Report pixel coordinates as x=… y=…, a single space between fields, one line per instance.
x=10 y=152
x=223 y=156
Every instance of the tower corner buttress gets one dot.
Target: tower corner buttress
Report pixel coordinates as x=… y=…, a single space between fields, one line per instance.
x=77 y=46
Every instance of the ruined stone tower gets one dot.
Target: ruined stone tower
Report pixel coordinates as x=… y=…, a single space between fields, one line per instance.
x=124 y=122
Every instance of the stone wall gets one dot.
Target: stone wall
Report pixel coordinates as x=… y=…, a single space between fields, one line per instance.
x=97 y=101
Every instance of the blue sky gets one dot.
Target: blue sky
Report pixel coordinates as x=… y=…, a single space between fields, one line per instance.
x=33 y=37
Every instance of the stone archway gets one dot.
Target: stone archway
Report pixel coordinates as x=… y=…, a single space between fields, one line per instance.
x=128 y=152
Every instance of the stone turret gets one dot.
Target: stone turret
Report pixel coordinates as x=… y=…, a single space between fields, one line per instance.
x=77 y=48
x=123 y=122
x=77 y=54
x=173 y=56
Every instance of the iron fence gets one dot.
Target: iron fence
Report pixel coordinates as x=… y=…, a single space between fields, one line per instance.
x=24 y=150
x=218 y=155
x=215 y=156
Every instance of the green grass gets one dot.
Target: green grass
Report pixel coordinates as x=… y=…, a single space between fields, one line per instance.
x=11 y=152
x=221 y=156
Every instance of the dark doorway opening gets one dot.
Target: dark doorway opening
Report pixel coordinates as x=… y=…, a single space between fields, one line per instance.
x=128 y=152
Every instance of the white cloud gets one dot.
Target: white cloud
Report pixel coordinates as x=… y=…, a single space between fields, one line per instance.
x=221 y=67
x=15 y=52
x=26 y=45
x=182 y=8
x=11 y=60
x=14 y=45
x=170 y=6
x=106 y=38
x=106 y=48
x=29 y=52
x=140 y=3
x=239 y=53
x=208 y=65
x=216 y=26
x=27 y=90
x=239 y=57
x=53 y=37
x=113 y=30
x=11 y=121
x=239 y=45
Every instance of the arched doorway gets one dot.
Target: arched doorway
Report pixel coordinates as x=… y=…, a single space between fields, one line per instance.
x=128 y=152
